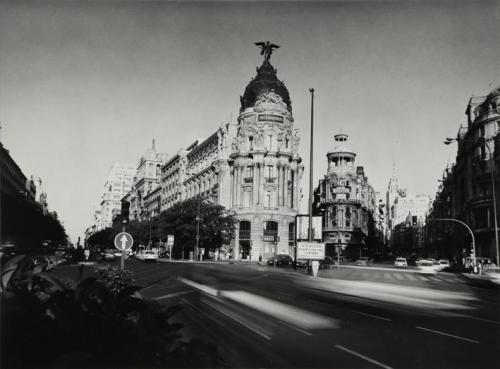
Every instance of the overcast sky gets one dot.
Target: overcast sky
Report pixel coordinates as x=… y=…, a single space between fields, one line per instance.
x=84 y=84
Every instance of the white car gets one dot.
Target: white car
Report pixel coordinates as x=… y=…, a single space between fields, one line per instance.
x=149 y=255
x=428 y=267
x=400 y=263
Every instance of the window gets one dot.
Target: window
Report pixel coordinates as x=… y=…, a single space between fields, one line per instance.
x=250 y=142
x=267 y=197
x=271 y=226
x=269 y=171
x=334 y=216
x=291 y=234
x=270 y=142
x=287 y=141
x=348 y=217
x=245 y=228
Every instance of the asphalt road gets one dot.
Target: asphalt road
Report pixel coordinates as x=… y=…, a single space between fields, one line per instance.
x=259 y=316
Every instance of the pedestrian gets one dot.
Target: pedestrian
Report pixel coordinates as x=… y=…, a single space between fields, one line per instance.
x=260 y=257
x=480 y=268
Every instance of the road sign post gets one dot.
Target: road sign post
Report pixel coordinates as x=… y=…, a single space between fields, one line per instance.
x=170 y=243
x=123 y=242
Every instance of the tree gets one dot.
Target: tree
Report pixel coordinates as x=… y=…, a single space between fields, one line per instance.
x=216 y=225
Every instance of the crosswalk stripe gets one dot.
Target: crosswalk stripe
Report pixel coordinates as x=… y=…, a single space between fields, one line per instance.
x=435 y=279
x=399 y=276
x=422 y=278
x=410 y=277
x=387 y=276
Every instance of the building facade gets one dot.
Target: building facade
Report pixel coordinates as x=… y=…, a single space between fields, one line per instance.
x=467 y=187
x=347 y=203
x=251 y=167
x=118 y=183
x=145 y=191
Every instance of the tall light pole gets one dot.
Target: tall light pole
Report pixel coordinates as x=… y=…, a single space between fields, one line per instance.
x=311 y=237
x=492 y=175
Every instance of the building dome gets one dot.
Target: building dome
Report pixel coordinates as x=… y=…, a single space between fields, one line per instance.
x=266 y=81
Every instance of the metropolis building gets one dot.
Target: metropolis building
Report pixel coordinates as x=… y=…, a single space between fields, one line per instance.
x=251 y=167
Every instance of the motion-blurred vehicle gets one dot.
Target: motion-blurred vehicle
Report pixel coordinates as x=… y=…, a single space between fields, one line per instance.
x=281 y=260
x=109 y=254
x=443 y=264
x=401 y=263
x=326 y=263
x=428 y=267
x=364 y=261
x=149 y=255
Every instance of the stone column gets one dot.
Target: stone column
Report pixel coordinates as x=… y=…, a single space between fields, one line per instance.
x=287 y=178
x=279 y=183
x=255 y=184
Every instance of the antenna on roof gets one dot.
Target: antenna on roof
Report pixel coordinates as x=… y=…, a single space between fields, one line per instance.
x=153 y=143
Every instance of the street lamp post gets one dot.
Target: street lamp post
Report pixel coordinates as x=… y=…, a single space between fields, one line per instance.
x=492 y=175
x=466 y=226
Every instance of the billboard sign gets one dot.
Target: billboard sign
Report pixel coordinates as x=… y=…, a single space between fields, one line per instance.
x=303 y=227
x=310 y=250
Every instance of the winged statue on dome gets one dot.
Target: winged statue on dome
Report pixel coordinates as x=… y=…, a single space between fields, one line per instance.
x=266 y=49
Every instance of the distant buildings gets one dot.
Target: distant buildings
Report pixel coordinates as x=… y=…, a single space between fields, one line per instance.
x=466 y=190
x=346 y=202
x=406 y=217
x=118 y=182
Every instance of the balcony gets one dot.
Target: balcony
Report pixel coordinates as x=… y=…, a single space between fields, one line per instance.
x=244 y=234
x=247 y=179
x=270 y=179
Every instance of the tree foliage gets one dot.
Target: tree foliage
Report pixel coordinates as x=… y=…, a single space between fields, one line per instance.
x=216 y=227
x=24 y=222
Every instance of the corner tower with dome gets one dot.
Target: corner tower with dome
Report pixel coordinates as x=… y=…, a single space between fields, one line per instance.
x=346 y=202
x=266 y=169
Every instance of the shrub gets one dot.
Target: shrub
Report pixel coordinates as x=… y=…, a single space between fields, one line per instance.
x=101 y=322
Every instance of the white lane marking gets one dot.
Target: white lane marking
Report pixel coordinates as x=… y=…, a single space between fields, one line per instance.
x=172 y=295
x=399 y=276
x=435 y=279
x=480 y=319
x=410 y=277
x=290 y=314
x=298 y=329
x=422 y=278
x=448 y=334
x=363 y=357
x=201 y=287
x=371 y=315
x=387 y=276
x=235 y=317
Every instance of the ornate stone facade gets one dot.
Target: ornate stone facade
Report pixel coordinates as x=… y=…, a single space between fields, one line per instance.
x=466 y=190
x=251 y=167
x=347 y=203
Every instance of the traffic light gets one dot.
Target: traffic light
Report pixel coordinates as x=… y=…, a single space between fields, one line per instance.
x=125 y=210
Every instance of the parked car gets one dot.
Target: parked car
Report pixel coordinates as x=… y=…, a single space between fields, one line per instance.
x=326 y=263
x=364 y=261
x=281 y=260
x=301 y=263
x=401 y=263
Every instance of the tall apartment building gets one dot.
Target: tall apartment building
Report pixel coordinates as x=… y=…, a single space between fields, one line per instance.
x=143 y=196
x=118 y=182
x=467 y=189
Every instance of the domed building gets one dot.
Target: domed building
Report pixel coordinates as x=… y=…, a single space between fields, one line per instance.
x=251 y=167
x=265 y=168
x=346 y=202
